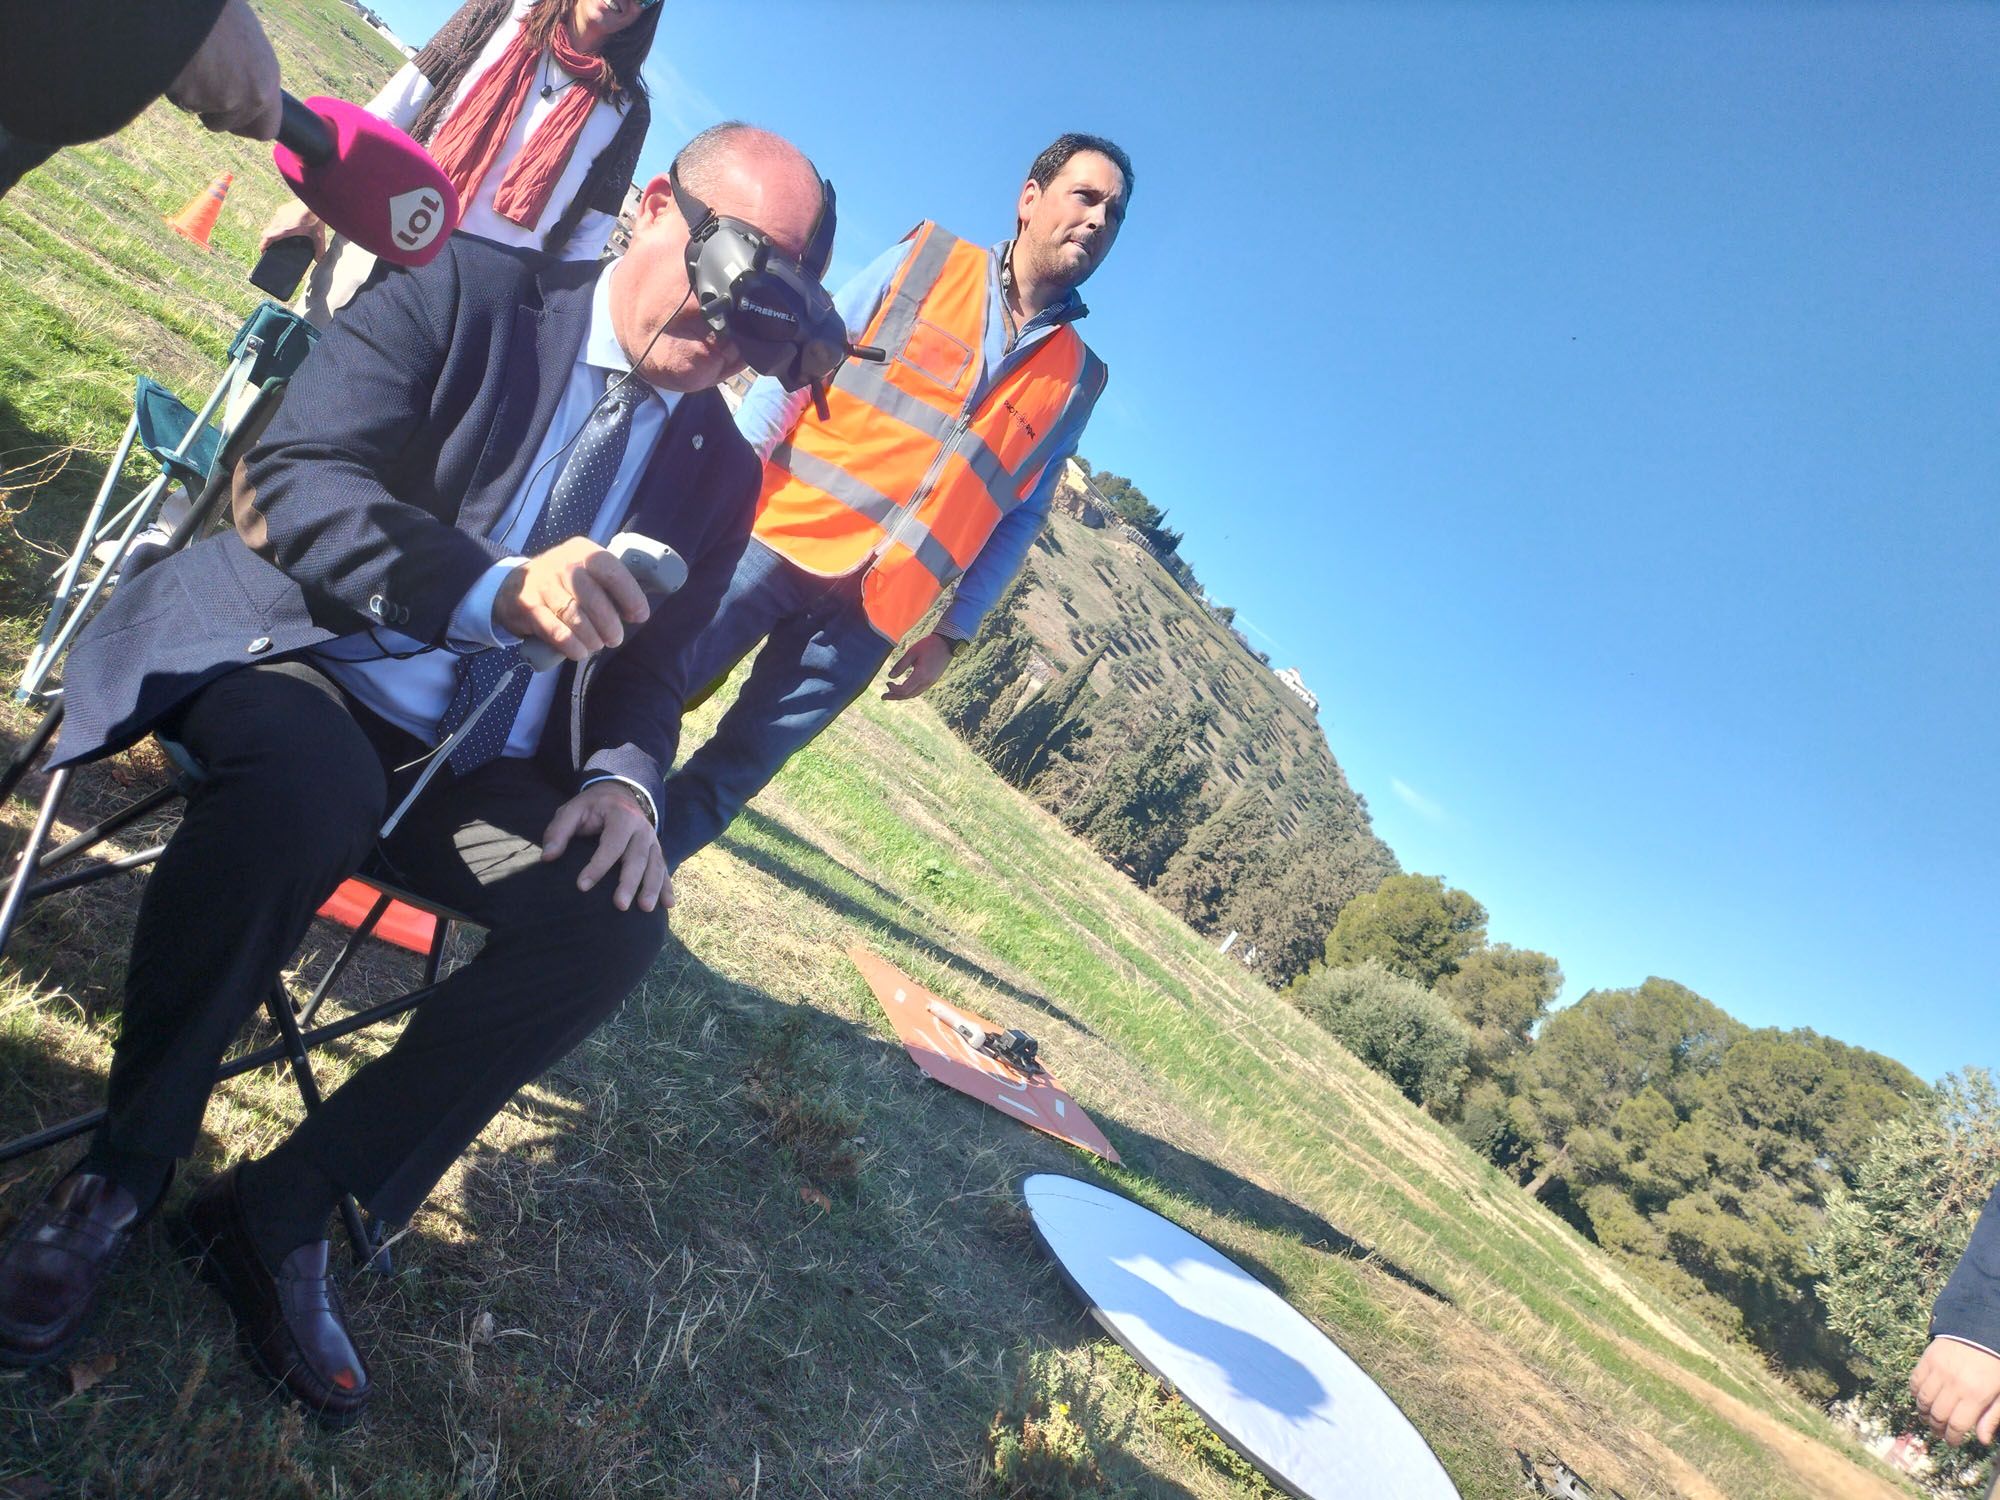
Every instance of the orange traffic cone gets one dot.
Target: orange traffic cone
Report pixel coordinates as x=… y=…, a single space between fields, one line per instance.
x=195 y=221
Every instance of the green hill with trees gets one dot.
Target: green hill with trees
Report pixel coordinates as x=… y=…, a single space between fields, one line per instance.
x=1702 y=1152
x=1108 y=688
x=1806 y=1196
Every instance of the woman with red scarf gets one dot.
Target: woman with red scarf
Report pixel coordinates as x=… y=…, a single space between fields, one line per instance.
x=535 y=110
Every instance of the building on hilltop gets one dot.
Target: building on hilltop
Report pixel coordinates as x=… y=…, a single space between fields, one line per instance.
x=621 y=232
x=1077 y=497
x=1293 y=679
x=1137 y=538
x=382 y=26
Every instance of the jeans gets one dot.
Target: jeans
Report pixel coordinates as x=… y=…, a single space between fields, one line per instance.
x=819 y=653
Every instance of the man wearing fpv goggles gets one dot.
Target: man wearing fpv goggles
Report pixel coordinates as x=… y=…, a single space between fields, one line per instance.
x=928 y=463
x=432 y=500
x=772 y=309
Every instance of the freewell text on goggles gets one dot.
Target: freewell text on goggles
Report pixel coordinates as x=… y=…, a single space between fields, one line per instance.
x=773 y=308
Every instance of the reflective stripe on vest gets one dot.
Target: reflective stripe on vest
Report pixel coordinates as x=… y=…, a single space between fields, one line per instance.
x=906 y=477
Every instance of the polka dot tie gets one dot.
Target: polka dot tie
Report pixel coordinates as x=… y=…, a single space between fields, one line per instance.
x=574 y=501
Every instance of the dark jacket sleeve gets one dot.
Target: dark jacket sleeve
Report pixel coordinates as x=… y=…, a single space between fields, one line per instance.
x=634 y=722
x=74 y=71
x=1969 y=1306
x=456 y=42
x=311 y=498
x=612 y=173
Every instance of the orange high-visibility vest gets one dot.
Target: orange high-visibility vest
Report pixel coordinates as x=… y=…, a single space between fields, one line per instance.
x=906 y=476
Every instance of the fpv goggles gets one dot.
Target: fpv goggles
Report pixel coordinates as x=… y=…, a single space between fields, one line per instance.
x=773 y=308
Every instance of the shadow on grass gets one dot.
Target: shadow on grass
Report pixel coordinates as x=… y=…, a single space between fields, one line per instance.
x=46 y=484
x=1224 y=1192
x=38 y=1088
x=987 y=1284
x=812 y=872
x=1180 y=1171
x=668 y=1284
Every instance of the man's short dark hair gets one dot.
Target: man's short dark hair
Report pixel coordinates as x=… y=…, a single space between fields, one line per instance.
x=1060 y=150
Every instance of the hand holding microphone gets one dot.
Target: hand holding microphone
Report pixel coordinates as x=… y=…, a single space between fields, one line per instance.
x=358 y=173
x=359 y=176
x=576 y=599
x=231 y=83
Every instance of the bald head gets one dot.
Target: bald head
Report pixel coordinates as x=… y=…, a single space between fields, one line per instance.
x=735 y=162
x=740 y=172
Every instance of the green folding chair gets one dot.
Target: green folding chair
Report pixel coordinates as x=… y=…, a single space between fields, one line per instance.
x=181 y=445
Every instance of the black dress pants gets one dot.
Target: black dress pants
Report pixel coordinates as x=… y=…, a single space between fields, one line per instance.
x=299 y=777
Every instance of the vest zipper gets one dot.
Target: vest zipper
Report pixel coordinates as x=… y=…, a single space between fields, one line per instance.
x=924 y=485
x=909 y=507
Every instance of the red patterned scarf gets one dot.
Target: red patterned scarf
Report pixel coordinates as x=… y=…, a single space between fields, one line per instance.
x=469 y=141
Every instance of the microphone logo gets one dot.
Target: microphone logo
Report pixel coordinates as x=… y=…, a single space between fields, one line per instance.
x=416 y=218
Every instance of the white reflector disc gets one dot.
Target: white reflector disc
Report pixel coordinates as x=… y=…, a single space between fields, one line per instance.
x=1271 y=1384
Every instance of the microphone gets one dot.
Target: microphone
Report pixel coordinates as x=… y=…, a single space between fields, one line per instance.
x=367 y=179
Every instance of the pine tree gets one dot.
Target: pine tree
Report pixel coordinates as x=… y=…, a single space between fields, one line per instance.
x=1199 y=878
x=1891 y=1240
x=1149 y=797
x=1021 y=747
x=1292 y=890
x=983 y=672
x=1076 y=769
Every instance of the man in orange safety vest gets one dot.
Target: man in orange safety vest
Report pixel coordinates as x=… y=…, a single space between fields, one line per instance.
x=931 y=469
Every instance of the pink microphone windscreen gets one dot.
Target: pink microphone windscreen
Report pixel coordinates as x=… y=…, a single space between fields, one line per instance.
x=380 y=188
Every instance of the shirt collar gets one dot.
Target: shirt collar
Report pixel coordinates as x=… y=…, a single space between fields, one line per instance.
x=601 y=349
x=1066 y=309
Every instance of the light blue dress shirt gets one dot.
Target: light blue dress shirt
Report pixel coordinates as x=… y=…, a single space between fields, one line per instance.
x=769 y=412
x=410 y=684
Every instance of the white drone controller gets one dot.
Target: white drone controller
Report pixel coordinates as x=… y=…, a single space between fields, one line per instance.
x=659 y=569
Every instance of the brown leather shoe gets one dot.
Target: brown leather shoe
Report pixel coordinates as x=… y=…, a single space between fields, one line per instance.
x=292 y=1321
x=53 y=1262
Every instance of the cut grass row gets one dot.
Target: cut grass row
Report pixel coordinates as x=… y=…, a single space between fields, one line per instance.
x=1050 y=922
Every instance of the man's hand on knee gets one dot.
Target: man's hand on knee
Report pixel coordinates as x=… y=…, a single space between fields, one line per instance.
x=576 y=596
x=625 y=839
x=1957 y=1387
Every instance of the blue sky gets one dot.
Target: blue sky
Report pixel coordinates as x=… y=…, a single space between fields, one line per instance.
x=1597 y=402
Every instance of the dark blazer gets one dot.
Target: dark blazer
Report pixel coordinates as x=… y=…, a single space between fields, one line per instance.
x=401 y=442
x=1969 y=1306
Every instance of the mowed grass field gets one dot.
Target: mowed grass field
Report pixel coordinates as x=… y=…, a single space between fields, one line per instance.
x=735 y=1245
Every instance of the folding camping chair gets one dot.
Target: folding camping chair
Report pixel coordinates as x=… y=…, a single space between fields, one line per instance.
x=370 y=904
x=190 y=451
x=183 y=446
